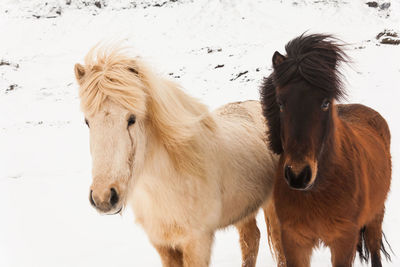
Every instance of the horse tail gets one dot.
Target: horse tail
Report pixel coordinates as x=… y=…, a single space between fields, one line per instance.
x=383 y=249
x=363 y=250
x=274 y=234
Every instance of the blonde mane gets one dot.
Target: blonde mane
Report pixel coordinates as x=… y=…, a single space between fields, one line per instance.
x=181 y=122
x=109 y=75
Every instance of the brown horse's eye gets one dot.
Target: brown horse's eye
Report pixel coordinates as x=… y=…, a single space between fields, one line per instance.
x=131 y=120
x=87 y=122
x=280 y=104
x=325 y=105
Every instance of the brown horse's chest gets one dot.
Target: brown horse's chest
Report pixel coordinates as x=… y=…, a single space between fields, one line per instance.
x=313 y=216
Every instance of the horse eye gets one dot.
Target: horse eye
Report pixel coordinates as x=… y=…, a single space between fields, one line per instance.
x=280 y=104
x=131 y=120
x=325 y=105
x=87 y=122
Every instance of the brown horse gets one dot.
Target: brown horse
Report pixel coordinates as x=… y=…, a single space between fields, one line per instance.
x=334 y=171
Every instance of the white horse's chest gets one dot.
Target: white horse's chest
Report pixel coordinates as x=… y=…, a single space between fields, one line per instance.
x=151 y=213
x=149 y=202
x=166 y=210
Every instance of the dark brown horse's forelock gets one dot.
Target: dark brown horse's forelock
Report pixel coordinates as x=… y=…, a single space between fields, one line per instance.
x=315 y=59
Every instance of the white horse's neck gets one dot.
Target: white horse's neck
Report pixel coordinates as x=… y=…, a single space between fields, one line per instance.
x=179 y=124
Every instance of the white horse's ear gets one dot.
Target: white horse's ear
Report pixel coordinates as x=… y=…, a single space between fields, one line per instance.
x=79 y=72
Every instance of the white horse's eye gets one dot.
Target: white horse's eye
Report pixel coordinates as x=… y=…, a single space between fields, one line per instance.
x=131 y=120
x=87 y=122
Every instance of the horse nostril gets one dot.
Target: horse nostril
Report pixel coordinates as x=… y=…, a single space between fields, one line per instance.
x=113 y=197
x=289 y=175
x=91 y=199
x=305 y=175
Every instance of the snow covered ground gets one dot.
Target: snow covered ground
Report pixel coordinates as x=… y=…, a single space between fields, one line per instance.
x=46 y=217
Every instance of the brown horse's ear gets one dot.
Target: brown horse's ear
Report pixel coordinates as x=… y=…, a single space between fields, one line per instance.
x=79 y=72
x=277 y=59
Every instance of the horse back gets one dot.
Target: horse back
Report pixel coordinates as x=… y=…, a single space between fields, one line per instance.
x=364 y=116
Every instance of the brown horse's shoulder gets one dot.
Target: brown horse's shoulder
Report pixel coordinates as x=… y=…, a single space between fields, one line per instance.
x=365 y=116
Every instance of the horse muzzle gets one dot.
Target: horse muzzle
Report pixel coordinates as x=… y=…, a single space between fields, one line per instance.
x=300 y=177
x=106 y=201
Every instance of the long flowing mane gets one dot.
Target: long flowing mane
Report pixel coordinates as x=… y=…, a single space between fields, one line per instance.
x=181 y=122
x=316 y=59
x=313 y=58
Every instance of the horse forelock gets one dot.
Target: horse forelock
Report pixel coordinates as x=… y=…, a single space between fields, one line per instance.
x=316 y=59
x=110 y=73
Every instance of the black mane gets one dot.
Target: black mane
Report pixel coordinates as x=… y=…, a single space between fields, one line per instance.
x=312 y=58
x=271 y=113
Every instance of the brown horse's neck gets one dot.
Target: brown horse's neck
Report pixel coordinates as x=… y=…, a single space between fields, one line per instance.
x=331 y=156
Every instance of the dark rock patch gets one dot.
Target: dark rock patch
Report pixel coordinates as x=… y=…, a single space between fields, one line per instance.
x=212 y=50
x=384 y=6
x=372 y=4
x=388 y=37
x=11 y=87
x=8 y=63
x=390 y=41
x=239 y=75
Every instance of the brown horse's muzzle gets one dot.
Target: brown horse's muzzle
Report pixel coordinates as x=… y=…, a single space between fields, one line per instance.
x=300 y=176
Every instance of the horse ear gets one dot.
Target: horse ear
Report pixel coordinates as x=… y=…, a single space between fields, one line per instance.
x=79 y=72
x=277 y=59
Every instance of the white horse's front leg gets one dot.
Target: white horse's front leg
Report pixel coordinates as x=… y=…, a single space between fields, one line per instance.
x=170 y=257
x=197 y=250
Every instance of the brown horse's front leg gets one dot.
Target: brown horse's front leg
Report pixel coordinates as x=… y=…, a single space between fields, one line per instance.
x=196 y=250
x=343 y=250
x=249 y=241
x=297 y=249
x=274 y=233
x=170 y=257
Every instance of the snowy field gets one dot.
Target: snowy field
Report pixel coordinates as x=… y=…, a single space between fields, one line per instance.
x=219 y=50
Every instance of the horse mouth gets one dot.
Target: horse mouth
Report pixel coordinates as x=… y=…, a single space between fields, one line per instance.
x=307 y=188
x=119 y=211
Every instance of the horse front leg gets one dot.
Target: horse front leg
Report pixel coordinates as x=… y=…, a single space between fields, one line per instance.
x=343 y=249
x=170 y=257
x=249 y=241
x=297 y=249
x=196 y=250
x=274 y=233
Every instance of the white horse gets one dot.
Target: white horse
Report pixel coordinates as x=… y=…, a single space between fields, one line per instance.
x=185 y=172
